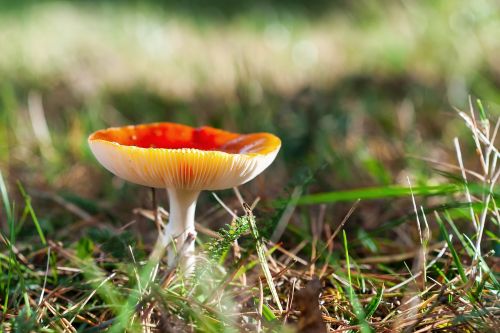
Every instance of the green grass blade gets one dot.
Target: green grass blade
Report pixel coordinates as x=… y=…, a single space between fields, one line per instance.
x=267 y=313
x=356 y=305
x=29 y=207
x=344 y=237
x=454 y=254
x=5 y=199
x=374 y=303
x=377 y=193
x=10 y=222
x=466 y=246
x=482 y=112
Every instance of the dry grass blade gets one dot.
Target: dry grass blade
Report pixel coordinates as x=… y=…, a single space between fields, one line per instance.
x=262 y=257
x=337 y=230
x=287 y=214
x=80 y=306
x=45 y=277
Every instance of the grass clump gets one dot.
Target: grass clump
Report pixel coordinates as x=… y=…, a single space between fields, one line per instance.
x=447 y=281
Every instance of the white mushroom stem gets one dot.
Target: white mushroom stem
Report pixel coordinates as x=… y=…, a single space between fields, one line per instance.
x=180 y=225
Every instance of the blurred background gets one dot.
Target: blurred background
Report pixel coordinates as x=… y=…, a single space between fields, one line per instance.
x=359 y=91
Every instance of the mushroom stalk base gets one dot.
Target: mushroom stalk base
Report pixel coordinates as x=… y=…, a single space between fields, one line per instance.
x=180 y=226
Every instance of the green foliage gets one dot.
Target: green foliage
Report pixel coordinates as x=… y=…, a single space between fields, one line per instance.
x=84 y=248
x=217 y=248
x=360 y=316
x=25 y=322
x=377 y=193
x=268 y=314
x=374 y=303
x=115 y=244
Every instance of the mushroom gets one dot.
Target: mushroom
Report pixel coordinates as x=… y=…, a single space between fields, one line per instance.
x=185 y=161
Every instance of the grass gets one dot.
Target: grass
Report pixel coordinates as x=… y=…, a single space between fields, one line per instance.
x=382 y=193
x=93 y=287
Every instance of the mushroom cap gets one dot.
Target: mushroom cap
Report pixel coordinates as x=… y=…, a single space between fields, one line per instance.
x=169 y=155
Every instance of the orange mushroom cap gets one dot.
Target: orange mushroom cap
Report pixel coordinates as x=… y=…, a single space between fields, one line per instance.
x=169 y=155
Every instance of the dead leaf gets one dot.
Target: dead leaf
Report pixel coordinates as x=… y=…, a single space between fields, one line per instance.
x=307 y=300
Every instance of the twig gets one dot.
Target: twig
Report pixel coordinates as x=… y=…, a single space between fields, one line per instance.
x=45 y=277
x=464 y=176
x=89 y=297
x=337 y=230
x=287 y=214
x=260 y=306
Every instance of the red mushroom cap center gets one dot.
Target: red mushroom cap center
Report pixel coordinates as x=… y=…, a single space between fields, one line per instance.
x=177 y=136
